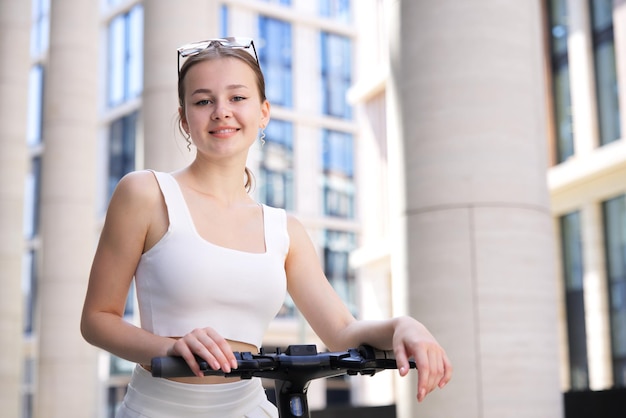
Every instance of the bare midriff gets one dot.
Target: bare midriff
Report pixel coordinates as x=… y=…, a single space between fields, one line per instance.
x=235 y=346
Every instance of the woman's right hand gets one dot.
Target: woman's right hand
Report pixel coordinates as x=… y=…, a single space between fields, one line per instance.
x=207 y=344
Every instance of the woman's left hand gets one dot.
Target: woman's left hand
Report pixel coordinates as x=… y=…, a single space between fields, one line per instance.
x=412 y=339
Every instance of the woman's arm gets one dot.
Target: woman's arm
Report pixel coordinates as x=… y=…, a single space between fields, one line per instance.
x=335 y=325
x=135 y=205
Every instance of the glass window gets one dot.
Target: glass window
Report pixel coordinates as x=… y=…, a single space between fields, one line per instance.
x=337 y=248
x=561 y=80
x=572 y=253
x=35 y=105
x=115 y=396
x=29 y=290
x=31 y=199
x=277 y=165
x=115 y=2
x=336 y=9
x=28 y=387
x=40 y=27
x=275 y=60
x=615 y=236
x=122 y=134
x=125 y=56
x=336 y=61
x=338 y=167
x=283 y=2
x=224 y=21
x=605 y=70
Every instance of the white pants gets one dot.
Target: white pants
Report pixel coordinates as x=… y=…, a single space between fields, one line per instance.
x=153 y=397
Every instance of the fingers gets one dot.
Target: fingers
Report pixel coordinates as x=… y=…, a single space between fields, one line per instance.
x=434 y=369
x=208 y=345
x=423 y=363
x=447 y=366
x=402 y=360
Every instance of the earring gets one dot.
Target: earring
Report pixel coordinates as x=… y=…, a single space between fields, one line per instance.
x=262 y=137
x=188 y=139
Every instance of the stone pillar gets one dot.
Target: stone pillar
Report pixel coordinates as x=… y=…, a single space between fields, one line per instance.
x=167 y=26
x=472 y=227
x=67 y=364
x=14 y=25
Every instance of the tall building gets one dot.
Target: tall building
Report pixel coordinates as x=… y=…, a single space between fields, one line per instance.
x=459 y=162
x=100 y=81
x=588 y=189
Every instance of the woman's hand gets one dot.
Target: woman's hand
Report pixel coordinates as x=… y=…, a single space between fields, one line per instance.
x=207 y=344
x=412 y=339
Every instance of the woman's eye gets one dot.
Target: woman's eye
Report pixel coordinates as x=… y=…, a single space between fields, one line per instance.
x=203 y=102
x=238 y=98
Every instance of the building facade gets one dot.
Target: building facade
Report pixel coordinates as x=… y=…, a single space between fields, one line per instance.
x=448 y=162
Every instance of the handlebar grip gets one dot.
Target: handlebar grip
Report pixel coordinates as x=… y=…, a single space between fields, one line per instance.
x=370 y=353
x=171 y=367
x=385 y=358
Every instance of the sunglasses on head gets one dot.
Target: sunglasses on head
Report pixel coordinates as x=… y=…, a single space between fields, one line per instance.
x=195 y=48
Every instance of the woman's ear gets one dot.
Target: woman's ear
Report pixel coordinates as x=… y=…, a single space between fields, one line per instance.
x=265 y=113
x=183 y=120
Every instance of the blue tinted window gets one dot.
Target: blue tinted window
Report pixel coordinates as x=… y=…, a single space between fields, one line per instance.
x=338 y=153
x=122 y=136
x=277 y=165
x=336 y=75
x=607 y=89
x=40 y=27
x=573 y=270
x=338 y=169
x=562 y=102
x=283 y=2
x=615 y=240
x=275 y=58
x=31 y=199
x=29 y=289
x=125 y=56
x=335 y=9
x=35 y=105
x=337 y=248
x=224 y=21
x=31 y=230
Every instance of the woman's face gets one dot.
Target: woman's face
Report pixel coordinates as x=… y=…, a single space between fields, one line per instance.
x=223 y=110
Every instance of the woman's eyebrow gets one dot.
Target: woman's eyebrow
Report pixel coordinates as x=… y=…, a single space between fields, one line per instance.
x=229 y=87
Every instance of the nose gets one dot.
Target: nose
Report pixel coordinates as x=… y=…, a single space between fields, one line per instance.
x=221 y=110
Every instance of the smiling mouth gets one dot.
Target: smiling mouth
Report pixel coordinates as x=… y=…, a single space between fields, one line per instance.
x=223 y=131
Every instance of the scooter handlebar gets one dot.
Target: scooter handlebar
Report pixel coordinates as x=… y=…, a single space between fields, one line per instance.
x=297 y=359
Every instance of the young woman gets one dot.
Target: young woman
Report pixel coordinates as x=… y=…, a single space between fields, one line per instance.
x=193 y=238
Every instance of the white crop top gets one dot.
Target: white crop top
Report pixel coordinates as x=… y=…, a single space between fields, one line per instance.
x=185 y=282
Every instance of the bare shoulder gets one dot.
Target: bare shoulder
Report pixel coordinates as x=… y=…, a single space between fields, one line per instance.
x=136 y=196
x=295 y=228
x=135 y=208
x=299 y=238
x=138 y=185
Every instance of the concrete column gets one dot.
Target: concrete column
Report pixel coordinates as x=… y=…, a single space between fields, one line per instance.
x=67 y=364
x=473 y=234
x=14 y=25
x=167 y=26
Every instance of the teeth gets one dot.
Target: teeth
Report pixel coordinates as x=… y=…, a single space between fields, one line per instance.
x=222 y=131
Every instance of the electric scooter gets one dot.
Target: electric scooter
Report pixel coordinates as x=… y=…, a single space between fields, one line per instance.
x=292 y=370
